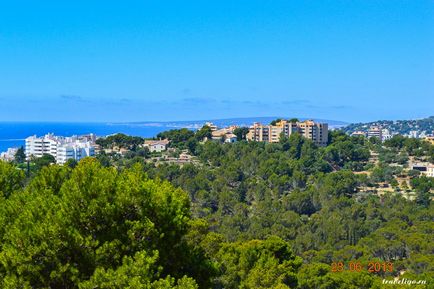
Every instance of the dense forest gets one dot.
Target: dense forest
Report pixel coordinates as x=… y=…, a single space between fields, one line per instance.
x=244 y=215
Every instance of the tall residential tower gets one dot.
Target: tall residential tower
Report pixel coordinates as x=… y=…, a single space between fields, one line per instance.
x=317 y=132
x=61 y=148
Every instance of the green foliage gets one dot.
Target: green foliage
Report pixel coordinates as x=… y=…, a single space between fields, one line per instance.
x=423 y=186
x=413 y=173
x=138 y=153
x=120 y=140
x=341 y=183
x=177 y=137
x=43 y=161
x=72 y=163
x=104 y=159
x=93 y=226
x=400 y=126
x=135 y=273
x=11 y=179
x=258 y=264
x=385 y=173
x=203 y=133
x=256 y=209
x=320 y=276
x=274 y=122
x=20 y=156
x=346 y=152
x=307 y=196
x=397 y=141
x=241 y=133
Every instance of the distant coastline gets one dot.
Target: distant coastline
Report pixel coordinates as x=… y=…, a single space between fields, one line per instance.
x=13 y=134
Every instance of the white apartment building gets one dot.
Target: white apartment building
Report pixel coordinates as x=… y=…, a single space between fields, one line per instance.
x=75 y=151
x=385 y=134
x=9 y=155
x=61 y=148
x=413 y=134
x=230 y=138
x=38 y=146
x=156 y=145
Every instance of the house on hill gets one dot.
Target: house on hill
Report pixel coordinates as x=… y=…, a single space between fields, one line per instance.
x=156 y=145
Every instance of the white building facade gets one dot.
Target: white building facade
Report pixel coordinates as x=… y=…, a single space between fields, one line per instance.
x=61 y=148
x=426 y=169
x=74 y=151
x=38 y=146
x=156 y=145
x=9 y=155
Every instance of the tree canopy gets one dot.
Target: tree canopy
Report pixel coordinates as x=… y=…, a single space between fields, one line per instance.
x=243 y=215
x=94 y=227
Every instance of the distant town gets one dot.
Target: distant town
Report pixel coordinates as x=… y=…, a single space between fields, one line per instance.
x=418 y=128
x=75 y=147
x=64 y=148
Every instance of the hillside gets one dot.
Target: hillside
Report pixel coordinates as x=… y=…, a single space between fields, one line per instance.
x=424 y=126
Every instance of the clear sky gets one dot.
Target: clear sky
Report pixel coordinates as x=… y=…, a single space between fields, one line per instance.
x=107 y=60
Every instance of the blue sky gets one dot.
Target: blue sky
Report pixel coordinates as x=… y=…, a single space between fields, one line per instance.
x=185 y=60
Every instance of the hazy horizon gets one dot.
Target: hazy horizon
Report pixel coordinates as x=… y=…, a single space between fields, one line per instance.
x=340 y=122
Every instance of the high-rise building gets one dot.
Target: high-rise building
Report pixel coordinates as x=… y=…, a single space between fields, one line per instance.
x=38 y=146
x=61 y=148
x=258 y=132
x=317 y=132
